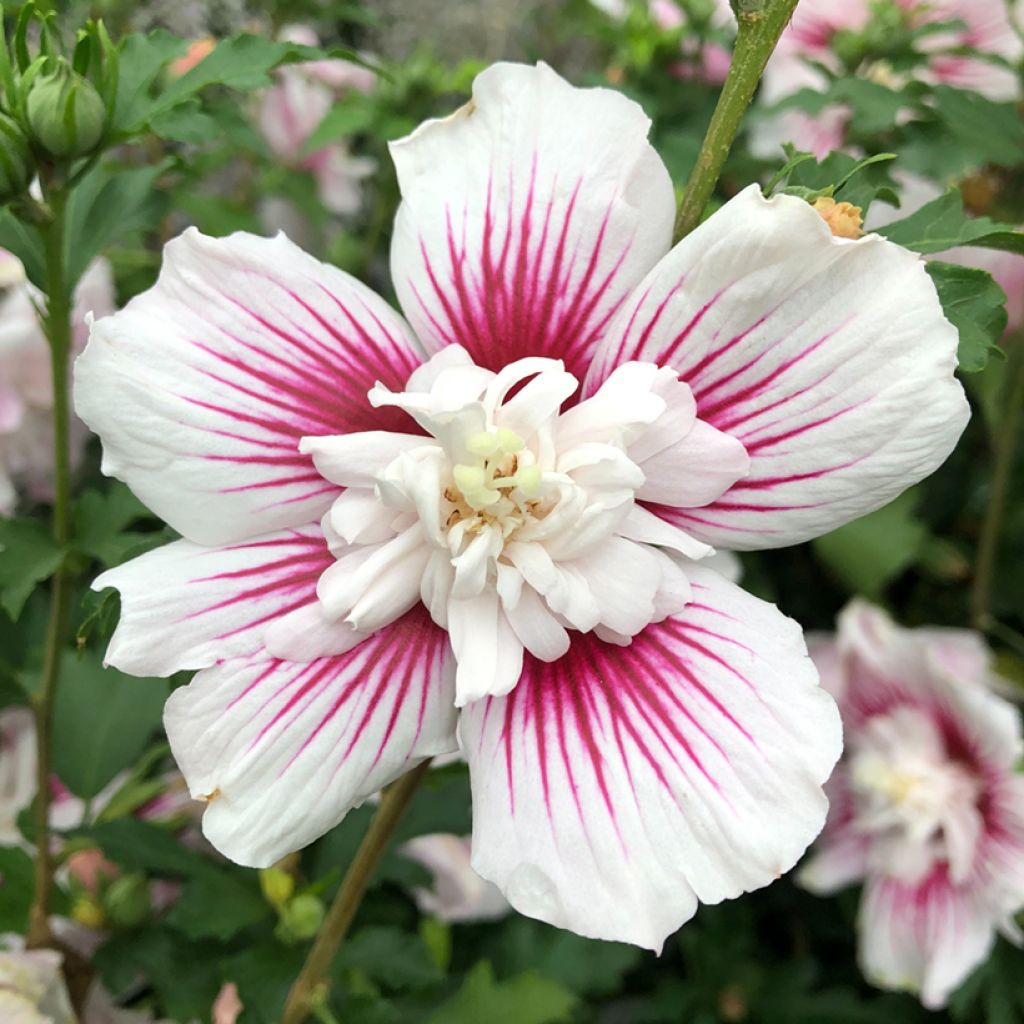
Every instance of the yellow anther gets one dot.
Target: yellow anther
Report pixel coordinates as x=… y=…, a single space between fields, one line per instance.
x=509 y=442
x=528 y=480
x=483 y=443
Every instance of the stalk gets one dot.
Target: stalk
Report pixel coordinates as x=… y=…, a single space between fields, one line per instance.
x=310 y=986
x=760 y=24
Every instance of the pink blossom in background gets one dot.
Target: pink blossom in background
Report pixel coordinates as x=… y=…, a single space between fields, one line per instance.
x=458 y=893
x=810 y=35
x=493 y=516
x=927 y=807
x=292 y=108
x=227 y=1006
x=26 y=393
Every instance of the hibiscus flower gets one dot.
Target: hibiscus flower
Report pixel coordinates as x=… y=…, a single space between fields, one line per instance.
x=927 y=808
x=491 y=516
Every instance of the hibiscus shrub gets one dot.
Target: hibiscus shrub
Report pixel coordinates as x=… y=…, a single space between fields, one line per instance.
x=359 y=407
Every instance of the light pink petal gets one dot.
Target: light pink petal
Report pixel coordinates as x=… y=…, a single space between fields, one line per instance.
x=202 y=386
x=619 y=786
x=185 y=607
x=282 y=751
x=924 y=937
x=829 y=359
x=526 y=217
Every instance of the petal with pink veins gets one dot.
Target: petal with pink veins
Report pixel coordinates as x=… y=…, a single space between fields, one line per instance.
x=618 y=787
x=526 y=218
x=829 y=359
x=185 y=607
x=201 y=387
x=282 y=751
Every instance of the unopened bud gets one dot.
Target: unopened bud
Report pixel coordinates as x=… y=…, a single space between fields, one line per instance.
x=65 y=113
x=86 y=910
x=16 y=169
x=127 y=901
x=301 y=918
x=277 y=886
x=844 y=219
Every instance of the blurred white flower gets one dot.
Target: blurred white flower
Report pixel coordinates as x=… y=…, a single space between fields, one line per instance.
x=458 y=892
x=26 y=392
x=32 y=989
x=926 y=806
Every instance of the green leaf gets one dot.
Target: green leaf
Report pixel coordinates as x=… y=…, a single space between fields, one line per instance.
x=857 y=181
x=394 y=958
x=108 y=205
x=942 y=224
x=994 y=132
x=874 y=107
x=101 y=519
x=872 y=551
x=17 y=885
x=186 y=123
x=28 y=555
x=141 y=846
x=218 y=904
x=103 y=721
x=356 y=113
x=142 y=59
x=26 y=243
x=525 y=999
x=975 y=304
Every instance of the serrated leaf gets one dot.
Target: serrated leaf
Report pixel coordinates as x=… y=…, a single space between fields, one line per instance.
x=28 y=556
x=103 y=720
x=994 y=132
x=142 y=59
x=942 y=224
x=526 y=999
x=185 y=123
x=975 y=305
x=142 y=846
x=395 y=959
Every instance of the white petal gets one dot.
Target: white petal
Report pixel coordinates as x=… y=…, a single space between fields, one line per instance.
x=488 y=653
x=537 y=628
x=829 y=359
x=646 y=527
x=619 y=786
x=185 y=607
x=282 y=751
x=526 y=217
x=201 y=387
x=356 y=460
x=307 y=634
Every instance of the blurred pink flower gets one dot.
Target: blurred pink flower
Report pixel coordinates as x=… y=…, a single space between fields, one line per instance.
x=292 y=108
x=926 y=807
x=810 y=36
x=458 y=892
x=227 y=1006
x=26 y=393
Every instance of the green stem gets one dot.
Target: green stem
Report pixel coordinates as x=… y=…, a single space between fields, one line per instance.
x=992 y=525
x=57 y=324
x=308 y=988
x=760 y=24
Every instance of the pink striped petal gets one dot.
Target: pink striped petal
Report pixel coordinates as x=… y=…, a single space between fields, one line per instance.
x=829 y=359
x=282 y=751
x=526 y=218
x=185 y=607
x=619 y=786
x=924 y=936
x=202 y=387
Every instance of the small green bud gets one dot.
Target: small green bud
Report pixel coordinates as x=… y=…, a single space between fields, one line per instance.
x=127 y=902
x=277 y=886
x=301 y=918
x=16 y=168
x=65 y=113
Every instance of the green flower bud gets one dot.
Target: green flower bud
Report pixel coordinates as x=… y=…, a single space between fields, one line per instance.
x=16 y=168
x=127 y=902
x=301 y=918
x=277 y=886
x=65 y=113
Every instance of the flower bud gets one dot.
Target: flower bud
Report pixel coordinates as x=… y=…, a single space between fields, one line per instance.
x=16 y=169
x=300 y=918
x=844 y=219
x=87 y=910
x=127 y=901
x=65 y=113
x=277 y=886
